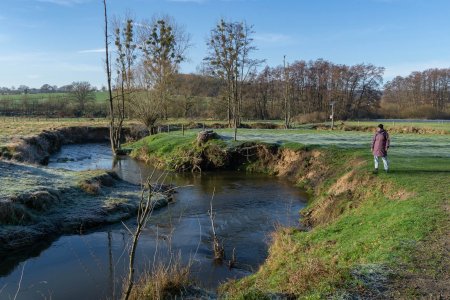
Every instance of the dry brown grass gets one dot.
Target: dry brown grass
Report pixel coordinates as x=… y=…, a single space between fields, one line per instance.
x=313 y=117
x=346 y=193
x=311 y=272
x=164 y=281
x=20 y=127
x=91 y=187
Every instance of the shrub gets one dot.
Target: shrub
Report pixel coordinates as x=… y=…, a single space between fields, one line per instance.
x=313 y=117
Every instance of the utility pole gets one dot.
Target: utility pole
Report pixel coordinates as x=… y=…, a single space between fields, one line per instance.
x=332 y=114
x=287 y=106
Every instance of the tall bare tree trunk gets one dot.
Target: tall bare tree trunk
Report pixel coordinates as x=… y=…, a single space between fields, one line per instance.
x=112 y=129
x=287 y=104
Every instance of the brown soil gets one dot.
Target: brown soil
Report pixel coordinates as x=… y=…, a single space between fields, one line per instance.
x=38 y=148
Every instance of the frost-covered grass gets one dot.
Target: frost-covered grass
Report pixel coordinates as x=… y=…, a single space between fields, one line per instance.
x=16 y=179
x=52 y=201
x=407 y=145
x=434 y=145
x=440 y=125
x=13 y=129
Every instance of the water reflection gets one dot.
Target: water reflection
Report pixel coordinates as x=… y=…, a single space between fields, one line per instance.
x=91 y=266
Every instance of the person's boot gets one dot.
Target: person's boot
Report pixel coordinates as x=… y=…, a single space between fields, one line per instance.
x=375 y=171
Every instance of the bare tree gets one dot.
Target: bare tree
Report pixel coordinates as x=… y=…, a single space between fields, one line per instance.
x=125 y=60
x=219 y=252
x=114 y=130
x=420 y=94
x=286 y=96
x=82 y=93
x=146 y=205
x=230 y=47
x=164 y=45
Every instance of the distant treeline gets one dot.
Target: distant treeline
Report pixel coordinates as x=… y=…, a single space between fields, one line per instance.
x=79 y=99
x=44 y=89
x=357 y=92
x=58 y=105
x=421 y=94
x=311 y=87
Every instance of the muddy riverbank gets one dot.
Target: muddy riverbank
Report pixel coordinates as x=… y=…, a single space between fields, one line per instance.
x=37 y=149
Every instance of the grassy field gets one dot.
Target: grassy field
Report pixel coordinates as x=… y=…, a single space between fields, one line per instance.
x=439 y=125
x=401 y=144
x=23 y=127
x=434 y=145
x=43 y=97
x=389 y=233
x=406 y=145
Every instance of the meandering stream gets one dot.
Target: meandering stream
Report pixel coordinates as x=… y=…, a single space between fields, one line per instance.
x=92 y=265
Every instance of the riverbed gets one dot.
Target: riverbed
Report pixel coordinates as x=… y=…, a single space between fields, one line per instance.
x=92 y=265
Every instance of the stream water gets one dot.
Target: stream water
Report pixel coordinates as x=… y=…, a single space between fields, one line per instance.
x=93 y=265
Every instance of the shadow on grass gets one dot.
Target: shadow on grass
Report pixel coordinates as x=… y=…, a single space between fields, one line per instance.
x=416 y=171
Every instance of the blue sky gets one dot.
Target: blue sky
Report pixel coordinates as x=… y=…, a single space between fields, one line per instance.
x=58 y=41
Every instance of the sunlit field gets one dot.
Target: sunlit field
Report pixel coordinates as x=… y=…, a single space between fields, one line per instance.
x=435 y=145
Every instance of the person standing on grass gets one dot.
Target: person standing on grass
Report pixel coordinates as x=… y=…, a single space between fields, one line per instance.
x=380 y=146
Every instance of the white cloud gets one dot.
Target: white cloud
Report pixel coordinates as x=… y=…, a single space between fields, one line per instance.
x=142 y=25
x=357 y=33
x=98 y=50
x=272 y=38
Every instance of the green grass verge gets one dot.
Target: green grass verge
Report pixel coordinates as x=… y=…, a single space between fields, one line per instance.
x=44 y=97
x=380 y=230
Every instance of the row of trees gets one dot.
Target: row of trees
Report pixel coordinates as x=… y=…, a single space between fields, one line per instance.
x=421 y=94
x=44 y=89
x=141 y=69
x=79 y=100
x=306 y=88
